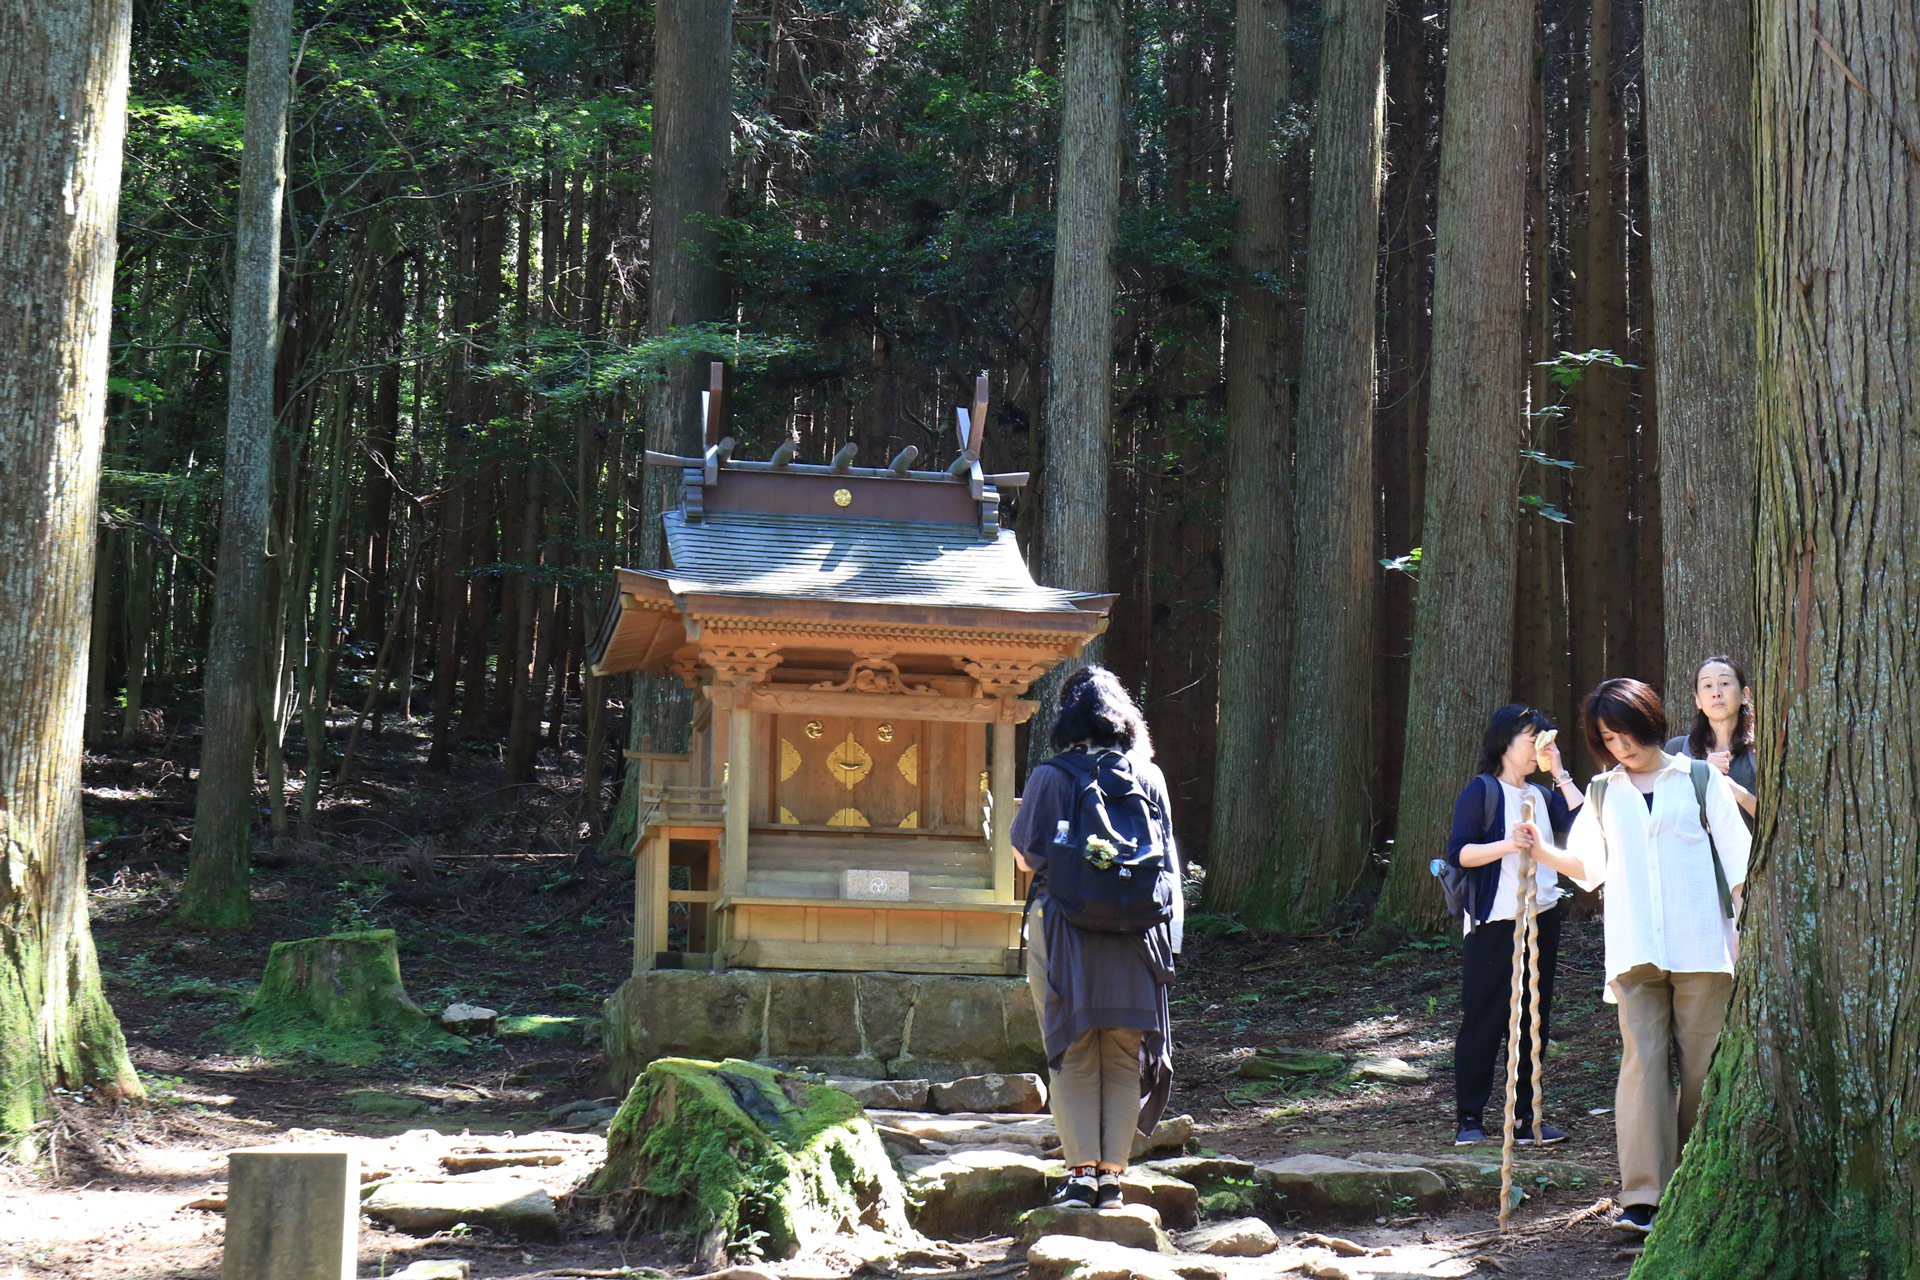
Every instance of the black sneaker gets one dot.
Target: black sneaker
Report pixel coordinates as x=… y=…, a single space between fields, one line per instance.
x=1077 y=1192
x=1469 y=1134
x=1548 y=1134
x=1107 y=1194
x=1636 y=1218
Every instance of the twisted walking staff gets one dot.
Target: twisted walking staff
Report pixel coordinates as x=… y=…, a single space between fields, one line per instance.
x=1526 y=982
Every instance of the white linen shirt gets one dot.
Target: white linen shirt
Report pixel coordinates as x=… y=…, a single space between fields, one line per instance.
x=1662 y=903
x=1546 y=892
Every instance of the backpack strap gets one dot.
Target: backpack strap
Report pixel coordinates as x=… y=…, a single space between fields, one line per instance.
x=1597 y=800
x=1490 y=806
x=1698 y=770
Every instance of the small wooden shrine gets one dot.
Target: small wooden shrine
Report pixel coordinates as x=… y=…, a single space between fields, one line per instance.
x=859 y=638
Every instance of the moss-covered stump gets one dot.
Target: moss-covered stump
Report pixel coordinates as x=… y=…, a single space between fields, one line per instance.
x=747 y=1160
x=338 y=999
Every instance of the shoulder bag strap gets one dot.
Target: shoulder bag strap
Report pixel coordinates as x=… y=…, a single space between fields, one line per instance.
x=1698 y=770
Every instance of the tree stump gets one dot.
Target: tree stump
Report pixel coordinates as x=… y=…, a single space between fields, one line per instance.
x=747 y=1160
x=338 y=999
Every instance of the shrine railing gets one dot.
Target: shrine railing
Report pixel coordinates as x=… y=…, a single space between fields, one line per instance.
x=663 y=805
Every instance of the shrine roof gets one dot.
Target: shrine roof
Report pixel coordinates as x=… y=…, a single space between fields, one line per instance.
x=855 y=561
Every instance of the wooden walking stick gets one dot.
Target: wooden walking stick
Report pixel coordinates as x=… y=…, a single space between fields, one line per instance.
x=1526 y=986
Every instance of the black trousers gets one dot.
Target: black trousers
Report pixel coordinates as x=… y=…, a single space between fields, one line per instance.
x=1486 y=987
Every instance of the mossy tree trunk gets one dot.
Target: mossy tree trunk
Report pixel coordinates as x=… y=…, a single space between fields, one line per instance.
x=1806 y=1165
x=338 y=998
x=1463 y=621
x=63 y=72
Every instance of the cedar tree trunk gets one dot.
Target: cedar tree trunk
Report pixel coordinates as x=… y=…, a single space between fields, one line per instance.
x=63 y=74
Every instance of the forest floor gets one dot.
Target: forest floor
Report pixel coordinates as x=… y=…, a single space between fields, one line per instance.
x=498 y=901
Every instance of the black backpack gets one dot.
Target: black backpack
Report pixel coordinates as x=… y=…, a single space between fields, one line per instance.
x=1111 y=870
x=1454 y=878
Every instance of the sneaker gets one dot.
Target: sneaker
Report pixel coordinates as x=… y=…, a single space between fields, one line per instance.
x=1548 y=1134
x=1469 y=1134
x=1107 y=1194
x=1636 y=1218
x=1077 y=1192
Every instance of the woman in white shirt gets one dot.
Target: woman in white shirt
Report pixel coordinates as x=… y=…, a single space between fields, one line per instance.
x=1669 y=927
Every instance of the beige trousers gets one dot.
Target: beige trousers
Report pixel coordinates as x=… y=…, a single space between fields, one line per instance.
x=1661 y=1012
x=1095 y=1095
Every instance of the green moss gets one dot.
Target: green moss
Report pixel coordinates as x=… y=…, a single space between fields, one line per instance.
x=336 y=999
x=766 y=1161
x=1742 y=1208
x=541 y=1026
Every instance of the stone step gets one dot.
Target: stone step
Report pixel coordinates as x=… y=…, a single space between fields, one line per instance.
x=1137 y=1226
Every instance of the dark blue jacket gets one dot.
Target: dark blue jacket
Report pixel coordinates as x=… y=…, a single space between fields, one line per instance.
x=1483 y=882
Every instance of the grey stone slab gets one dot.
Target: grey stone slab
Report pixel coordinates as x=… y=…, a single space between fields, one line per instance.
x=292 y=1214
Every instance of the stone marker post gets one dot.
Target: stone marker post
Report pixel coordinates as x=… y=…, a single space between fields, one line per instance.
x=293 y=1213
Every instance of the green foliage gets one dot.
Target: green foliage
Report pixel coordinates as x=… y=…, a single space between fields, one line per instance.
x=1208 y=925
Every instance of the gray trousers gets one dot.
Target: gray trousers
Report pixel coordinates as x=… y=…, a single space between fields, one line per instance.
x=1095 y=1095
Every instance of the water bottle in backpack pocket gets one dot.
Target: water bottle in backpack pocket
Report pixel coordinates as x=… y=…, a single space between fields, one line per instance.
x=1109 y=867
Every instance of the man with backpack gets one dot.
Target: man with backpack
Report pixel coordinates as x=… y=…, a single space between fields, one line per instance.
x=1665 y=835
x=1102 y=929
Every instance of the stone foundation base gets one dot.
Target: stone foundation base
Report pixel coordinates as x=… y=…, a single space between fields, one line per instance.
x=878 y=1026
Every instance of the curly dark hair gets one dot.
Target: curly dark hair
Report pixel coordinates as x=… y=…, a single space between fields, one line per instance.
x=1095 y=708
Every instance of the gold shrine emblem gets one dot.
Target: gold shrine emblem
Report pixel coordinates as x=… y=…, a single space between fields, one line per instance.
x=909 y=764
x=843 y=498
x=849 y=818
x=884 y=733
x=850 y=763
x=789 y=759
x=787 y=818
x=815 y=728
x=910 y=821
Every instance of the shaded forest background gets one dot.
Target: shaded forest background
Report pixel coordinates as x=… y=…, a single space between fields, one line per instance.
x=467 y=372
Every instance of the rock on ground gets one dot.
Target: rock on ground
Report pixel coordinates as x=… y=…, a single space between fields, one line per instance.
x=1170 y=1137
x=1476 y=1179
x=1324 y=1188
x=1390 y=1071
x=425 y=1270
x=1078 y=1258
x=479 y=1161
x=972 y=1194
x=885 y=1095
x=1236 y=1238
x=1136 y=1226
x=468 y=1019
x=511 y=1206
x=1021 y=1093
x=1274 y=1063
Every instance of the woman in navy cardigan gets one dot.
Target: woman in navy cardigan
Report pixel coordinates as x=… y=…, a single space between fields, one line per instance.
x=1486 y=840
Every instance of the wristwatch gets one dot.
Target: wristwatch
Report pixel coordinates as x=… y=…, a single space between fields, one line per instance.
x=1562 y=778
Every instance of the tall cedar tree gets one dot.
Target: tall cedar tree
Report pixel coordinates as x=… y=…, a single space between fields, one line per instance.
x=1326 y=817
x=218 y=871
x=1079 y=415
x=63 y=72
x=693 y=129
x=1699 y=61
x=1256 y=535
x=1463 y=621
x=1802 y=1167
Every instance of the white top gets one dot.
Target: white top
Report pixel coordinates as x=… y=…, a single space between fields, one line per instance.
x=1546 y=881
x=1662 y=903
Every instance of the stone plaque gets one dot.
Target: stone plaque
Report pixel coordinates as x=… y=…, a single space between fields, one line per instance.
x=875 y=886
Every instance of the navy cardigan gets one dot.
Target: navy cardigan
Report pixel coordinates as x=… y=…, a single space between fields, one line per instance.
x=1483 y=882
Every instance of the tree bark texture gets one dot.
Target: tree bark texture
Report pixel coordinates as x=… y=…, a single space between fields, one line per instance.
x=1699 y=72
x=63 y=74
x=1079 y=417
x=692 y=150
x=1326 y=817
x=1256 y=535
x=1463 y=620
x=216 y=892
x=1803 y=1165
x=1600 y=539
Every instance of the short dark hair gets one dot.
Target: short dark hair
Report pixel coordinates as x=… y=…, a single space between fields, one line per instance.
x=1700 y=737
x=1508 y=723
x=1623 y=705
x=1095 y=708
